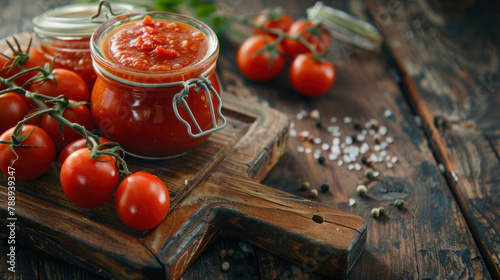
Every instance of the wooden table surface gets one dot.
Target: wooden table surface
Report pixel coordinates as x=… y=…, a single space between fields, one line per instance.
x=435 y=86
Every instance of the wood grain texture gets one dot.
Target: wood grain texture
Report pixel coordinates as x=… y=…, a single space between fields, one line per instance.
x=429 y=238
x=448 y=55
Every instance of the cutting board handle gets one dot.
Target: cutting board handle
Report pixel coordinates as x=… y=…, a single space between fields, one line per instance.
x=320 y=238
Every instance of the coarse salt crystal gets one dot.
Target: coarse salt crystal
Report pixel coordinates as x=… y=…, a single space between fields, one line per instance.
x=348 y=140
x=394 y=159
x=317 y=141
x=333 y=119
x=377 y=148
x=390 y=165
x=325 y=146
x=293 y=132
x=300 y=149
x=376 y=174
x=383 y=153
x=316 y=156
x=350 y=167
x=304 y=133
x=352 y=201
x=357 y=166
x=382 y=130
x=332 y=156
x=360 y=137
x=340 y=162
x=186 y=182
x=387 y=113
x=389 y=140
x=292 y=124
x=308 y=150
x=347 y=119
x=336 y=141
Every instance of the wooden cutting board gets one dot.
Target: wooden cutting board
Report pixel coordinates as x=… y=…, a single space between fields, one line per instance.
x=215 y=193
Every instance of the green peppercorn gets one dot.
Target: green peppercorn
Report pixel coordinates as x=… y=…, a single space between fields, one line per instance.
x=325 y=187
x=369 y=173
x=305 y=185
x=230 y=252
x=319 y=124
x=362 y=190
x=399 y=203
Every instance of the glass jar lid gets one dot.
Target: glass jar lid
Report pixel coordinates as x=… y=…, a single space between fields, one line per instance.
x=75 y=20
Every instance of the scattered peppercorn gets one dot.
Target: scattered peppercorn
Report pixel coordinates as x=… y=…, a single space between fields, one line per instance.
x=357 y=126
x=305 y=185
x=319 y=124
x=314 y=193
x=374 y=124
x=354 y=138
x=230 y=252
x=325 y=187
x=377 y=139
x=369 y=173
x=375 y=212
x=399 y=203
x=362 y=190
x=321 y=159
x=364 y=160
x=223 y=253
x=225 y=266
x=314 y=114
x=381 y=210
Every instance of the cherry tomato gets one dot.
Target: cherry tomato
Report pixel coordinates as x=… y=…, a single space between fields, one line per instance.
x=36 y=58
x=142 y=201
x=12 y=110
x=79 y=114
x=68 y=83
x=87 y=182
x=34 y=121
x=294 y=47
x=31 y=162
x=257 y=64
x=73 y=146
x=310 y=77
x=282 y=23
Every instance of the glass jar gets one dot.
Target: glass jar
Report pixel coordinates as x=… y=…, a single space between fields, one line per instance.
x=155 y=113
x=64 y=32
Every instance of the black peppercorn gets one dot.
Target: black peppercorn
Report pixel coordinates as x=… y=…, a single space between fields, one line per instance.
x=319 y=124
x=321 y=159
x=357 y=126
x=325 y=187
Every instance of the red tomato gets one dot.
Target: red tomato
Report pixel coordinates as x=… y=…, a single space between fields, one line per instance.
x=31 y=162
x=258 y=65
x=294 y=47
x=87 y=182
x=12 y=110
x=310 y=77
x=36 y=58
x=73 y=146
x=79 y=114
x=142 y=201
x=282 y=23
x=34 y=121
x=68 y=83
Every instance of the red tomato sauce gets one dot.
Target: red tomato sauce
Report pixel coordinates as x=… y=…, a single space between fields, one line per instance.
x=155 y=45
x=141 y=118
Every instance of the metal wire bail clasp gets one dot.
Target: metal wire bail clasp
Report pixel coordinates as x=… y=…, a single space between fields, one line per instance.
x=206 y=85
x=101 y=15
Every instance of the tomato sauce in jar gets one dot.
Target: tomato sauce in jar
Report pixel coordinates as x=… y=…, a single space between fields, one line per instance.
x=156 y=91
x=64 y=33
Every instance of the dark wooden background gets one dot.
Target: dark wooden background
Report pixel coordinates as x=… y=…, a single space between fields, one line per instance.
x=438 y=72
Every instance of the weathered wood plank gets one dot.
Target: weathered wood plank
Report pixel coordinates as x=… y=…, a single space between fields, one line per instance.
x=448 y=55
x=429 y=238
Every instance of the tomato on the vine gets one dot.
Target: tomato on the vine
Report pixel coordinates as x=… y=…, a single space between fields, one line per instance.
x=319 y=38
x=31 y=162
x=34 y=121
x=311 y=77
x=263 y=20
x=88 y=182
x=79 y=114
x=257 y=62
x=68 y=83
x=36 y=58
x=142 y=201
x=12 y=110
x=73 y=146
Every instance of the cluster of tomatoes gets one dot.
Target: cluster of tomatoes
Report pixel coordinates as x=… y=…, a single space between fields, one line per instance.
x=263 y=56
x=141 y=199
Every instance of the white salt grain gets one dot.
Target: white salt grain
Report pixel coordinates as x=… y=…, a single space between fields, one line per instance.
x=325 y=147
x=293 y=132
x=340 y=162
x=394 y=159
x=300 y=149
x=308 y=150
x=347 y=119
x=317 y=141
x=387 y=113
x=333 y=119
x=352 y=201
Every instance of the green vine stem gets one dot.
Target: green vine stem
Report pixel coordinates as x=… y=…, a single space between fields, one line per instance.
x=60 y=103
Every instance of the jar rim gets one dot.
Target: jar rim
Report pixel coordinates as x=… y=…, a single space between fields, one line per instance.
x=74 y=20
x=100 y=59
